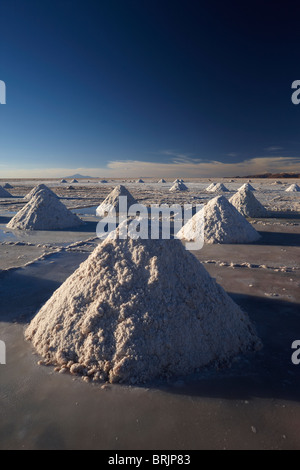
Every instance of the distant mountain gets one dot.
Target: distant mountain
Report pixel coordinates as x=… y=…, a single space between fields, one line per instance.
x=78 y=176
x=272 y=175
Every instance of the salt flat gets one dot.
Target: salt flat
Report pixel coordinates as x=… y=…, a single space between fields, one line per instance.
x=253 y=404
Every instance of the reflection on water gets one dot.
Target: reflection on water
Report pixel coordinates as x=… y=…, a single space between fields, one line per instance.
x=6 y=236
x=86 y=211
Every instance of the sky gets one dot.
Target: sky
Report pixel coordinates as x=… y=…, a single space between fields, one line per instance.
x=149 y=88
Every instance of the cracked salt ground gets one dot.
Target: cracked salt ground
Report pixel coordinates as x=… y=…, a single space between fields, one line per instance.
x=152 y=192
x=284 y=269
x=20 y=247
x=56 y=238
x=30 y=254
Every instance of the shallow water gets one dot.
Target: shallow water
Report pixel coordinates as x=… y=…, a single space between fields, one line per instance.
x=6 y=234
x=86 y=211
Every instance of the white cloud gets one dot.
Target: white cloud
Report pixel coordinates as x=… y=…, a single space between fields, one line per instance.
x=232 y=154
x=197 y=168
x=181 y=166
x=273 y=149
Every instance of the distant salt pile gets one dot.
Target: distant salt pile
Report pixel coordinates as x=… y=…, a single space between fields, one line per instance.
x=176 y=181
x=63 y=181
x=277 y=182
x=222 y=224
x=4 y=193
x=293 y=188
x=162 y=181
x=74 y=181
x=177 y=187
x=44 y=211
x=138 y=310
x=112 y=201
x=247 y=186
x=219 y=187
x=71 y=188
x=247 y=204
x=210 y=187
x=103 y=181
x=37 y=189
x=139 y=181
x=8 y=186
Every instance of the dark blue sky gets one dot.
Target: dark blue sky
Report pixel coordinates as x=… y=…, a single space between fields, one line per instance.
x=177 y=83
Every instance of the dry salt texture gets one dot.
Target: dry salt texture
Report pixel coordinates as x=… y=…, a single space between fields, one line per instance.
x=44 y=211
x=293 y=188
x=137 y=310
x=179 y=186
x=112 y=201
x=4 y=193
x=222 y=224
x=37 y=189
x=247 y=204
x=247 y=186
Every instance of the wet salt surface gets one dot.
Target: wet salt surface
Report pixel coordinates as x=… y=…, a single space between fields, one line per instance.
x=40 y=409
x=55 y=237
